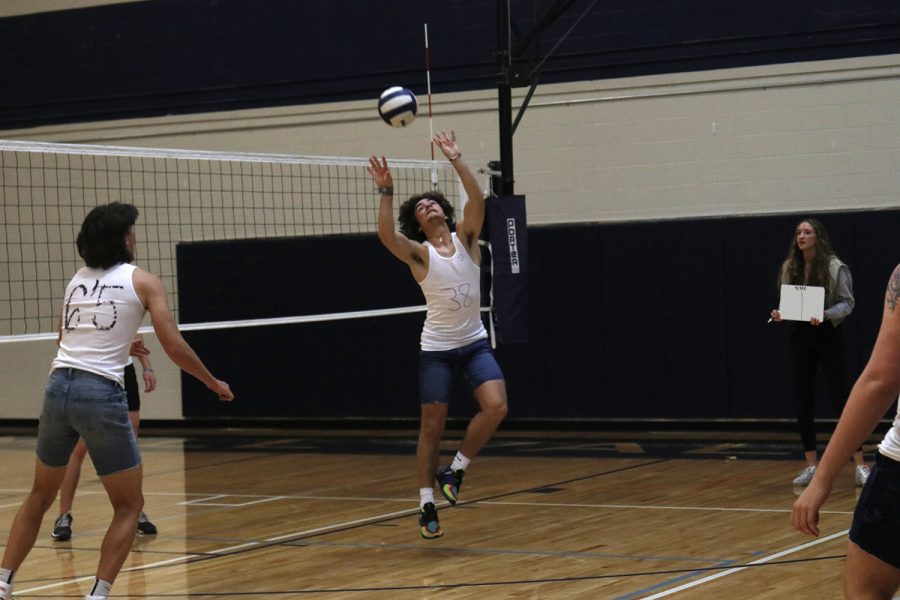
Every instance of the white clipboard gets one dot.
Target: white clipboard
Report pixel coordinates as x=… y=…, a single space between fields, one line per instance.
x=802 y=303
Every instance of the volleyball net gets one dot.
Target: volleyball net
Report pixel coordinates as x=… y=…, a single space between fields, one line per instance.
x=183 y=196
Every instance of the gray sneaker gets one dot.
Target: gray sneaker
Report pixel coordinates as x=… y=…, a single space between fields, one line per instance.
x=862 y=475
x=5 y=591
x=144 y=526
x=62 y=528
x=805 y=476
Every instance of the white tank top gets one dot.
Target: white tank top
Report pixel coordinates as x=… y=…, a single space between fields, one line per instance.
x=101 y=314
x=890 y=445
x=452 y=291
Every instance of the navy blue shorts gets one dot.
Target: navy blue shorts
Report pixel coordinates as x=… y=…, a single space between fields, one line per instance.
x=437 y=369
x=132 y=389
x=81 y=403
x=876 y=520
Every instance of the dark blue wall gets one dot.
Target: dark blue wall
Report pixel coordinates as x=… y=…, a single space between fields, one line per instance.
x=662 y=319
x=188 y=56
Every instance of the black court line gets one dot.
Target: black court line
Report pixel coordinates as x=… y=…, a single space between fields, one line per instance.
x=449 y=586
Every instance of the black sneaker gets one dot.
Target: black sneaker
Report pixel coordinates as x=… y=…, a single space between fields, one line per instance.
x=429 y=526
x=449 y=482
x=145 y=527
x=62 y=528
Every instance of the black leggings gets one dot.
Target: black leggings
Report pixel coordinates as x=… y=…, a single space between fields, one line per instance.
x=812 y=347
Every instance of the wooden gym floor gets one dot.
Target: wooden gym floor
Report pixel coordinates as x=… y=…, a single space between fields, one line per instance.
x=332 y=515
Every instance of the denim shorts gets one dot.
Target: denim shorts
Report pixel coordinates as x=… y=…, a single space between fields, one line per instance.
x=81 y=403
x=876 y=520
x=437 y=370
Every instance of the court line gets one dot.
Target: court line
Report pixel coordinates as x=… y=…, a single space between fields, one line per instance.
x=227 y=551
x=334 y=528
x=760 y=561
x=503 y=551
x=673 y=580
x=655 y=507
x=454 y=585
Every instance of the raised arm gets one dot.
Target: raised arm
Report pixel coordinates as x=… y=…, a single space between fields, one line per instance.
x=874 y=392
x=409 y=251
x=152 y=293
x=469 y=228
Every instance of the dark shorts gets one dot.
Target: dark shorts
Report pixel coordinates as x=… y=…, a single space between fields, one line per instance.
x=132 y=389
x=80 y=403
x=876 y=520
x=437 y=370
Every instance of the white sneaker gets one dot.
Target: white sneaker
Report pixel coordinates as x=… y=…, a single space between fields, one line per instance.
x=5 y=591
x=862 y=475
x=89 y=597
x=805 y=476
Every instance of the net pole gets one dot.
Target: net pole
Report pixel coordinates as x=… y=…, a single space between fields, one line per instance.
x=434 y=178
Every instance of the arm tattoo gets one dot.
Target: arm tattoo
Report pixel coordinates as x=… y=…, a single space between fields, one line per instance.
x=893 y=291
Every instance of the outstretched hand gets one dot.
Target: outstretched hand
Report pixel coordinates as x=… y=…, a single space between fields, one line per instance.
x=447 y=144
x=380 y=172
x=222 y=390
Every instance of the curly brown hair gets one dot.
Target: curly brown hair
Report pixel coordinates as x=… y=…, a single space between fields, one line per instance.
x=407 y=217
x=793 y=268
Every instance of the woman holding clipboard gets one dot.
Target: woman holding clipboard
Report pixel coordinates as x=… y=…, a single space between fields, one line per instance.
x=811 y=262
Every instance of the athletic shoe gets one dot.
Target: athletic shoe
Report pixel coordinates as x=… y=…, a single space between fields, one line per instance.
x=5 y=591
x=805 y=476
x=89 y=597
x=862 y=474
x=62 y=528
x=449 y=482
x=429 y=526
x=145 y=527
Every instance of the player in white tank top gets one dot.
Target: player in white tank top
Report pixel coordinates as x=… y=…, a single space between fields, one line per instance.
x=873 y=554
x=445 y=264
x=102 y=309
x=452 y=292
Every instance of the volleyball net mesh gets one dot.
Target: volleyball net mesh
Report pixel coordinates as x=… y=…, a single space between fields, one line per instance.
x=183 y=196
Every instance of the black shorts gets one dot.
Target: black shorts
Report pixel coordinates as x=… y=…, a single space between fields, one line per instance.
x=876 y=520
x=132 y=389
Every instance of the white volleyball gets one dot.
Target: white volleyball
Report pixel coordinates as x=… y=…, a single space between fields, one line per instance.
x=397 y=106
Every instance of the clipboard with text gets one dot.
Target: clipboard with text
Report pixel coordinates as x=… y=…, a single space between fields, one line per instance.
x=802 y=303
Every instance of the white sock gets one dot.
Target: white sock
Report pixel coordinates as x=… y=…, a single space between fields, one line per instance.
x=101 y=588
x=460 y=462
x=6 y=575
x=426 y=495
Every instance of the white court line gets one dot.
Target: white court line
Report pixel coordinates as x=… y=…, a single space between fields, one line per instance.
x=760 y=561
x=224 y=551
x=345 y=524
x=203 y=502
x=50 y=586
x=203 y=499
x=652 y=507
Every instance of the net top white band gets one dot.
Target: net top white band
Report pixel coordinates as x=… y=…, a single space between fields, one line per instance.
x=249 y=157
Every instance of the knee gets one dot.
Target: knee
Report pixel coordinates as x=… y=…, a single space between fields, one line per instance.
x=129 y=503
x=496 y=411
x=432 y=428
x=42 y=499
x=43 y=496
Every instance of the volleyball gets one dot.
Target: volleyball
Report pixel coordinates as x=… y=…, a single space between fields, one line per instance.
x=397 y=106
